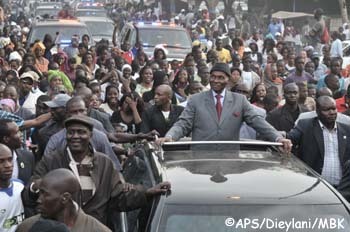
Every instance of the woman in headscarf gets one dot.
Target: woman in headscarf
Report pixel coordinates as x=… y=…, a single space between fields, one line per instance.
x=41 y=63
x=89 y=66
x=63 y=79
x=62 y=60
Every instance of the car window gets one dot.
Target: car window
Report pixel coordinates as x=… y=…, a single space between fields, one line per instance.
x=65 y=32
x=82 y=13
x=192 y=218
x=153 y=36
x=47 y=11
x=100 y=28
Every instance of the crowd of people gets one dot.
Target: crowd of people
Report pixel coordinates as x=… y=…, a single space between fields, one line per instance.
x=69 y=116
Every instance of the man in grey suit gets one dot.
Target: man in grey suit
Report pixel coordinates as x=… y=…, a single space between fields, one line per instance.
x=217 y=114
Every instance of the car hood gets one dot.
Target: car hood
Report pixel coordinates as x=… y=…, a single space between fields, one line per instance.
x=240 y=181
x=173 y=53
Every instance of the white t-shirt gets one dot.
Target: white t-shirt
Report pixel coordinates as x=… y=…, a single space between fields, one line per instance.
x=166 y=114
x=247 y=78
x=11 y=206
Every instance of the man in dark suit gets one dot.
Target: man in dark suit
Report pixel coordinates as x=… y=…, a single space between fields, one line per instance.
x=161 y=116
x=321 y=142
x=218 y=114
x=283 y=118
x=23 y=160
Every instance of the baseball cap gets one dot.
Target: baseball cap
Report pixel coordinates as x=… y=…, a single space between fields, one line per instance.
x=315 y=55
x=30 y=74
x=60 y=100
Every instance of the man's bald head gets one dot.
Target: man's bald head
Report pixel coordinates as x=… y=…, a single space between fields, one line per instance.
x=85 y=93
x=323 y=100
x=61 y=180
x=324 y=91
x=166 y=89
x=4 y=150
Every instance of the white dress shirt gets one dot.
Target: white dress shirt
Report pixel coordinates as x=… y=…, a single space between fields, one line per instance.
x=15 y=165
x=222 y=96
x=331 y=171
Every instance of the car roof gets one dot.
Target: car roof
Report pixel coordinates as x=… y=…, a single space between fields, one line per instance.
x=59 y=22
x=243 y=176
x=157 y=25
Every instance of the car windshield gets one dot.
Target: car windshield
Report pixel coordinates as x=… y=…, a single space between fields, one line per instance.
x=100 y=28
x=65 y=32
x=95 y=13
x=47 y=11
x=150 y=37
x=242 y=218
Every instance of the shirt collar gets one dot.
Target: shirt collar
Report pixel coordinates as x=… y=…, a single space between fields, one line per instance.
x=222 y=93
x=324 y=127
x=8 y=190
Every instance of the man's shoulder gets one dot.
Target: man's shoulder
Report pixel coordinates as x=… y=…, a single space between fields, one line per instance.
x=275 y=112
x=200 y=96
x=307 y=122
x=96 y=113
x=28 y=223
x=178 y=107
x=344 y=126
x=87 y=220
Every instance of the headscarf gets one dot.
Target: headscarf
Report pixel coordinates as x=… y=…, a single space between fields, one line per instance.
x=38 y=45
x=65 y=80
x=126 y=66
x=8 y=102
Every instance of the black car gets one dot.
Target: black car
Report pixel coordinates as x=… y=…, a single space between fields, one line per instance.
x=235 y=186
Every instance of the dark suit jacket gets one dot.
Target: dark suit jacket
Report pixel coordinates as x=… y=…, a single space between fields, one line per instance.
x=153 y=119
x=281 y=119
x=307 y=136
x=26 y=165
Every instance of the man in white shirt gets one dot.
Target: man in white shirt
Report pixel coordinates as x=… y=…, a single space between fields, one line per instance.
x=336 y=46
x=11 y=206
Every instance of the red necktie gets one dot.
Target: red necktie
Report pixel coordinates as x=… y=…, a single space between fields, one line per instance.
x=218 y=105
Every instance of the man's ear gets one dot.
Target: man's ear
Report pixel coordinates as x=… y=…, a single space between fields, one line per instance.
x=6 y=139
x=66 y=197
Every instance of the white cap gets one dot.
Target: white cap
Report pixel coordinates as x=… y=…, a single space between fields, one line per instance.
x=15 y=56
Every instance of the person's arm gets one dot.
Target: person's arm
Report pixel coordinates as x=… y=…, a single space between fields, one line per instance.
x=129 y=138
x=114 y=36
x=36 y=121
x=184 y=124
x=145 y=124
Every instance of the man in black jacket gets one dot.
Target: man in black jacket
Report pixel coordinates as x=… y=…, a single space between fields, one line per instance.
x=283 y=118
x=322 y=143
x=163 y=114
x=23 y=160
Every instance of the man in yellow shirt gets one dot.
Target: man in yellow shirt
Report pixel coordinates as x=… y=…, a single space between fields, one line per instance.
x=223 y=54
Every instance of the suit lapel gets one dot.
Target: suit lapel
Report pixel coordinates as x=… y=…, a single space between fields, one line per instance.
x=210 y=104
x=226 y=106
x=341 y=142
x=319 y=136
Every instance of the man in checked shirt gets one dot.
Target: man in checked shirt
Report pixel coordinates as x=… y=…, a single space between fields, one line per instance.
x=321 y=142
